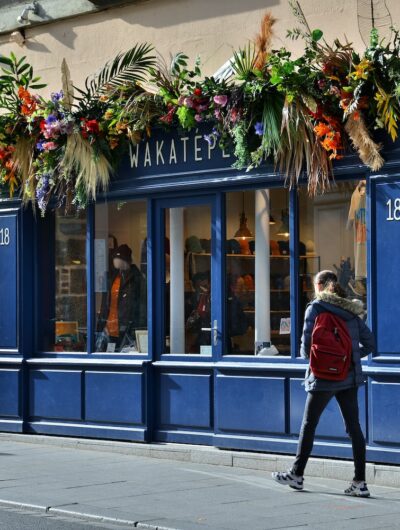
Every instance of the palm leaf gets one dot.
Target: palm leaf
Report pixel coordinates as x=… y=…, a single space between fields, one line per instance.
x=243 y=63
x=125 y=68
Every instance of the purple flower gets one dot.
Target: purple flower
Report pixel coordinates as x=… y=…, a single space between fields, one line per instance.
x=50 y=119
x=259 y=128
x=198 y=118
x=217 y=114
x=39 y=146
x=56 y=96
x=215 y=132
x=221 y=100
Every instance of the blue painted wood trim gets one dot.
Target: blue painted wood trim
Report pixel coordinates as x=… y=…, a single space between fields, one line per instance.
x=294 y=271
x=155 y=246
x=90 y=294
x=371 y=256
x=151 y=277
x=218 y=269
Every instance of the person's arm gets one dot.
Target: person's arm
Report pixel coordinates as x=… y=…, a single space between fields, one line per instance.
x=367 y=339
x=309 y=319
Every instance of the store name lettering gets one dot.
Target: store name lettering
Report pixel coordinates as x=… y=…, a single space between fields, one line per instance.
x=173 y=151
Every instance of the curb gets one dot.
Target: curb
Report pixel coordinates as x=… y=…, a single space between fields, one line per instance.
x=379 y=474
x=80 y=515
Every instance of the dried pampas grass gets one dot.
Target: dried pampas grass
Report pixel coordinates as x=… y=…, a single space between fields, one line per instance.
x=263 y=40
x=22 y=159
x=92 y=169
x=367 y=149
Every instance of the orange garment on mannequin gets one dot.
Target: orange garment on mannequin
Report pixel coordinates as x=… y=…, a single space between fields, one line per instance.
x=112 y=320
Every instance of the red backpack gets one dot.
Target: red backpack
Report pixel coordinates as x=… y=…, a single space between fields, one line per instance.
x=331 y=347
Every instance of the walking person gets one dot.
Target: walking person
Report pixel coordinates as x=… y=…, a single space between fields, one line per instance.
x=330 y=297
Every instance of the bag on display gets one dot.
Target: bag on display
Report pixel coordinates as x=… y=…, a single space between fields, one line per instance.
x=331 y=348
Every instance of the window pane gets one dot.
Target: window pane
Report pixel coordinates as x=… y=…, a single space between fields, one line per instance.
x=188 y=280
x=333 y=236
x=67 y=330
x=120 y=250
x=257 y=273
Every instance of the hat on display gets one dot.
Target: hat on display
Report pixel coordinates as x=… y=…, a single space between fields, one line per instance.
x=123 y=252
x=193 y=244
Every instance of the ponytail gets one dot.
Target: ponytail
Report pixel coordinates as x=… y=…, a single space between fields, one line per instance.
x=329 y=282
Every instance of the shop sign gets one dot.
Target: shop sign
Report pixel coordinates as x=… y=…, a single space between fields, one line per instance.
x=171 y=153
x=8 y=281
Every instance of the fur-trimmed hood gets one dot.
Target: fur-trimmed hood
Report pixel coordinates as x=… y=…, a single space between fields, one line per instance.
x=353 y=306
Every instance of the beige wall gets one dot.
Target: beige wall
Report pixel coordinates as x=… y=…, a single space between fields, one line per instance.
x=211 y=28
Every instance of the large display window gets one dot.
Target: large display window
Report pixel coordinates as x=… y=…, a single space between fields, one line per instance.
x=64 y=285
x=333 y=235
x=120 y=277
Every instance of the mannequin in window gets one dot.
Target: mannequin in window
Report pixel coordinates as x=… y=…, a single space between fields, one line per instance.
x=124 y=307
x=357 y=221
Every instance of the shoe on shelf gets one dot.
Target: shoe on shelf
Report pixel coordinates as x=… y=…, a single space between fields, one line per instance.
x=287 y=478
x=357 y=489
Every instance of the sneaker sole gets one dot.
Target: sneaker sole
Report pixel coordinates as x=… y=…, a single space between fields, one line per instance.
x=362 y=495
x=298 y=488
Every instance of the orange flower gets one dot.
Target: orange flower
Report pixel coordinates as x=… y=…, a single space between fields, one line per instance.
x=28 y=105
x=321 y=129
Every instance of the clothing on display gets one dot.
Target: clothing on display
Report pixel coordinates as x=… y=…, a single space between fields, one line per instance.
x=357 y=220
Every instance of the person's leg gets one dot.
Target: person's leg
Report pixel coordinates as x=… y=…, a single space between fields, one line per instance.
x=348 y=404
x=315 y=405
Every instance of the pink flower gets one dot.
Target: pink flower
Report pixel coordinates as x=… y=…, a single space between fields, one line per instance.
x=221 y=100
x=49 y=146
x=198 y=118
x=217 y=114
x=189 y=103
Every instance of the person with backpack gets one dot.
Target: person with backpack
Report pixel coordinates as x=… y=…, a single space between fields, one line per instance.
x=334 y=339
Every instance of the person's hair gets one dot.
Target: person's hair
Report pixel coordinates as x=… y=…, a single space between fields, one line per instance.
x=329 y=282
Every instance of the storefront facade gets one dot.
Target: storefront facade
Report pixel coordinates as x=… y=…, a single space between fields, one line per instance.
x=206 y=349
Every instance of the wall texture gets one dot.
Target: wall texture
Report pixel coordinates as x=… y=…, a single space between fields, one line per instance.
x=211 y=28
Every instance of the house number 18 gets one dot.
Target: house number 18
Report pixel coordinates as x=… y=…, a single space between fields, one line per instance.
x=393 y=210
x=4 y=236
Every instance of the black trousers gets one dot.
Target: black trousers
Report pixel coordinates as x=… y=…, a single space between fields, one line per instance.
x=315 y=405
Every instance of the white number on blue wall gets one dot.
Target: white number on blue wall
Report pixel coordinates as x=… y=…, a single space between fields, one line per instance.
x=393 y=210
x=4 y=236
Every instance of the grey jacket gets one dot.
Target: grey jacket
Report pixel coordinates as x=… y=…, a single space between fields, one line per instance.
x=361 y=336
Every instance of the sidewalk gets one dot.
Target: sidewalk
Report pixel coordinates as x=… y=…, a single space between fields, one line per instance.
x=171 y=491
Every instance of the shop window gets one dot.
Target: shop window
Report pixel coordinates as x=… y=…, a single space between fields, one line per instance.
x=333 y=236
x=120 y=261
x=187 y=297
x=65 y=283
x=257 y=305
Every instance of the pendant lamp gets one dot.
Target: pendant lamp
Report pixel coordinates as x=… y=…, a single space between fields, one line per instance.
x=243 y=231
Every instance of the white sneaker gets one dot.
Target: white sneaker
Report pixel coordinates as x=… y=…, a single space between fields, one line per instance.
x=357 y=489
x=287 y=478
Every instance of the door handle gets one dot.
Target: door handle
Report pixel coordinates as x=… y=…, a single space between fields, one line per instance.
x=214 y=330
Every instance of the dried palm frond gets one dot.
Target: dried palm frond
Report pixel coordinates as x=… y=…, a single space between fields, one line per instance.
x=22 y=161
x=263 y=40
x=92 y=169
x=243 y=62
x=367 y=149
x=67 y=86
x=301 y=151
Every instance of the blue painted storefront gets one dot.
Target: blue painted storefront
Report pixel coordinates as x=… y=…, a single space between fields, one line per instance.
x=227 y=401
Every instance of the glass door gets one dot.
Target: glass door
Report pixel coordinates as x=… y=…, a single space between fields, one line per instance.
x=190 y=297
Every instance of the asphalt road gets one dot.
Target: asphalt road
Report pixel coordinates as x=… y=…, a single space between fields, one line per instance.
x=17 y=519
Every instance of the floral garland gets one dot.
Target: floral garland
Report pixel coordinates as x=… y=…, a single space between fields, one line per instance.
x=300 y=113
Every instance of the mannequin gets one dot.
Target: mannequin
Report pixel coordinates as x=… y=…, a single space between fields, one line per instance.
x=123 y=308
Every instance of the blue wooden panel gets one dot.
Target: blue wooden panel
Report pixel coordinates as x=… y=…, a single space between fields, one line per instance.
x=331 y=422
x=8 y=281
x=250 y=404
x=114 y=397
x=387 y=256
x=10 y=392
x=385 y=411
x=184 y=400
x=55 y=394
